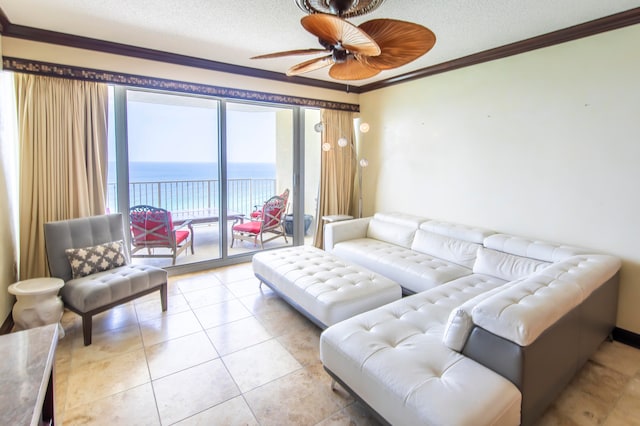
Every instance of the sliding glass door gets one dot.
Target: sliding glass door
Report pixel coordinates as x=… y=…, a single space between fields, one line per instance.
x=173 y=165
x=259 y=142
x=212 y=165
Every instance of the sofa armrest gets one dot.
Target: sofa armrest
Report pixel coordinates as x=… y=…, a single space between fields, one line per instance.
x=523 y=311
x=345 y=230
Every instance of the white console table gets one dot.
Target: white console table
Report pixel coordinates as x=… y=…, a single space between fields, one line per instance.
x=26 y=376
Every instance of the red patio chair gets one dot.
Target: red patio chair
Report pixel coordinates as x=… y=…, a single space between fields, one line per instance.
x=153 y=228
x=269 y=223
x=257 y=212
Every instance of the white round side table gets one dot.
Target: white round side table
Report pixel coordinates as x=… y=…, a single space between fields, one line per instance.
x=37 y=303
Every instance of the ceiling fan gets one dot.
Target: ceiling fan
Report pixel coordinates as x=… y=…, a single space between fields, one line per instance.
x=356 y=53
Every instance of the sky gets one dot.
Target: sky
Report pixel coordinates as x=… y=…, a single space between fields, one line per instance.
x=160 y=132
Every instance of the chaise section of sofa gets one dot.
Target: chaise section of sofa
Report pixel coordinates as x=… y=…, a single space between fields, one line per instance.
x=394 y=360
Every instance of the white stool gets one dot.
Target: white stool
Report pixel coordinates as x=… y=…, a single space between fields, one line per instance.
x=37 y=303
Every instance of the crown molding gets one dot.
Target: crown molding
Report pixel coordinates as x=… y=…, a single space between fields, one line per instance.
x=608 y=23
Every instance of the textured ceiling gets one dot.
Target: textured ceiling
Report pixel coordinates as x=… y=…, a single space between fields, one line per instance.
x=231 y=31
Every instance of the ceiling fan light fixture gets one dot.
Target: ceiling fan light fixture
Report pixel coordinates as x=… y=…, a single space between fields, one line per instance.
x=342 y=8
x=339 y=56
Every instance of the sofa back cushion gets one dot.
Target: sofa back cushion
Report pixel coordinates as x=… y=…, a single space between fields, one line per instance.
x=394 y=228
x=450 y=249
x=457 y=231
x=404 y=219
x=505 y=266
x=393 y=233
x=540 y=250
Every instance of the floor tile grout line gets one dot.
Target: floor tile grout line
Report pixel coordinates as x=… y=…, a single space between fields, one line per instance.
x=153 y=389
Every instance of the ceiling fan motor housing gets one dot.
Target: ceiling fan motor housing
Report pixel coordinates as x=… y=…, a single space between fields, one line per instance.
x=339 y=55
x=339 y=7
x=342 y=8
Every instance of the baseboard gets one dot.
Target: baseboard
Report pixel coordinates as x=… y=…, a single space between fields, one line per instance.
x=7 y=325
x=627 y=337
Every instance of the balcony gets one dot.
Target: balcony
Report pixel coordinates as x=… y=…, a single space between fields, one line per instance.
x=199 y=200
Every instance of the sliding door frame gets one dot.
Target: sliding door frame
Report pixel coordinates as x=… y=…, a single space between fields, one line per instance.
x=122 y=172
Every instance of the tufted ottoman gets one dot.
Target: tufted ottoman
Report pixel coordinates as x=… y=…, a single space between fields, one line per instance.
x=322 y=286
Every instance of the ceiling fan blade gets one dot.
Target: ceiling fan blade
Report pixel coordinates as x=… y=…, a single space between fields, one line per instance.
x=290 y=53
x=337 y=31
x=400 y=42
x=352 y=69
x=310 y=65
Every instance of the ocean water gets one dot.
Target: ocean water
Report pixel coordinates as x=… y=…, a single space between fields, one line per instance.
x=193 y=187
x=159 y=172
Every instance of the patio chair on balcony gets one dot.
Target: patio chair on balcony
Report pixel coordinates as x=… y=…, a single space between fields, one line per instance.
x=256 y=214
x=152 y=228
x=268 y=226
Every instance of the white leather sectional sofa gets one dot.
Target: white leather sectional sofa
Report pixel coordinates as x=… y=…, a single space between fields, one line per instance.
x=497 y=327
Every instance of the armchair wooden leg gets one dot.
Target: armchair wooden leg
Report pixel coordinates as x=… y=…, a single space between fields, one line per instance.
x=86 y=328
x=163 y=296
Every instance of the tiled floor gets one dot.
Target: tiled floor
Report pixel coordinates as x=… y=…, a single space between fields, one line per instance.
x=229 y=353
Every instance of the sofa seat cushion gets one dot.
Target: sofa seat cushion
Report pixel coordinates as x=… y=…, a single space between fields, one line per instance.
x=393 y=357
x=97 y=290
x=414 y=271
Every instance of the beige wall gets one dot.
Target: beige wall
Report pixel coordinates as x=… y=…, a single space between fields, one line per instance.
x=543 y=144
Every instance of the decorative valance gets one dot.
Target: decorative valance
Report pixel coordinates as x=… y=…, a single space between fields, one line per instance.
x=111 y=77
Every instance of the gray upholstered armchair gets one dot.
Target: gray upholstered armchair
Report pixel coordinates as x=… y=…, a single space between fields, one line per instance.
x=92 y=257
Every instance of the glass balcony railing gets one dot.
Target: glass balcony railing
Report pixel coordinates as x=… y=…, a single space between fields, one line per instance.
x=193 y=197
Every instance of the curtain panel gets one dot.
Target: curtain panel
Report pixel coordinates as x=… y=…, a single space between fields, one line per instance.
x=337 y=170
x=62 y=130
